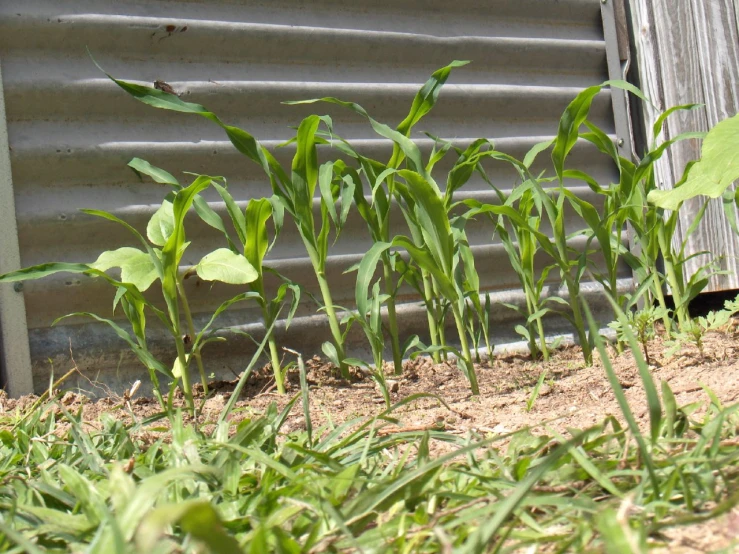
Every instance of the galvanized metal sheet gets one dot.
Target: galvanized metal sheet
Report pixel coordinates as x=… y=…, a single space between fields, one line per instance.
x=72 y=131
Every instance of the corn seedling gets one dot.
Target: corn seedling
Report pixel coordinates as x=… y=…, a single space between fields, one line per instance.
x=522 y=246
x=141 y=268
x=251 y=229
x=369 y=319
x=294 y=191
x=377 y=212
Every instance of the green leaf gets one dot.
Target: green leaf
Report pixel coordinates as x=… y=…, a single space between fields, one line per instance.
x=196 y=517
x=330 y=351
x=717 y=169
x=569 y=126
x=161 y=224
x=137 y=267
x=211 y=218
x=226 y=266
x=366 y=272
x=427 y=96
x=657 y=127
x=305 y=163
x=537 y=149
x=224 y=306
x=730 y=202
x=237 y=218
x=174 y=247
x=42 y=270
x=426 y=261
x=325 y=180
x=158 y=174
x=432 y=216
x=256 y=245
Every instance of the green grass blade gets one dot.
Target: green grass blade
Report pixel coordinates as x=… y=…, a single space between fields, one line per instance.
x=623 y=403
x=480 y=540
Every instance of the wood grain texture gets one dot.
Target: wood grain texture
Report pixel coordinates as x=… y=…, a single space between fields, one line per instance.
x=688 y=52
x=622 y=29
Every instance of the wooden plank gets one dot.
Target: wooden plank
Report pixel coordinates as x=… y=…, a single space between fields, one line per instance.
x=716 y=29
x=622 y=29
x=688 y=52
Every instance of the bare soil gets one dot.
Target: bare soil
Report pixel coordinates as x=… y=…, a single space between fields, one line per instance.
x=573 y=396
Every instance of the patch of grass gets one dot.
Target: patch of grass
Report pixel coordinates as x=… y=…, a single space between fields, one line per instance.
x=70 y=485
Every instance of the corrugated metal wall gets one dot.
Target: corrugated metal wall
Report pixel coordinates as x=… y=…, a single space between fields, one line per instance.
x=72 y=131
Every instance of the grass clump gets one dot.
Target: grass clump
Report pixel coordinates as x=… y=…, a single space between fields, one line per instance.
x=173 y=485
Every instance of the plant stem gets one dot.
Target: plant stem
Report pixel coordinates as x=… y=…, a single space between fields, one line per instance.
x=258 y=287
x=675 y=285
x=273 y=352
x=181 y=356
x=574 y=292
x=531 y=309
x=333 y=322
x=391 y=315
x=542 y=338
x=191 y=331
x=431 y=314
x=465 y=348
x=276 y=369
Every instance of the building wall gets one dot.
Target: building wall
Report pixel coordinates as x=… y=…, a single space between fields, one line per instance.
x=72 y=131
x=688 y=53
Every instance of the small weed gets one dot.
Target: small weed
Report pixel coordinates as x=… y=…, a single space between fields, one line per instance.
x=641 y=323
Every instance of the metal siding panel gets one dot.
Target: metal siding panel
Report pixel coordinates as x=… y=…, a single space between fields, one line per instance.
x=72 y=131
x=15 y=356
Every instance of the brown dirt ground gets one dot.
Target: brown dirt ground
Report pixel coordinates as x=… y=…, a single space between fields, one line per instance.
x=573 y=396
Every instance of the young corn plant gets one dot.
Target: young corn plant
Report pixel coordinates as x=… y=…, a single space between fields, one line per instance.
x=160 y=262
x=436 y=255
x=621 y=205
x=522 y=247
x=635 y=200
x=294 y=191
x=369 y=318
x=251 y=229
x=381 y=182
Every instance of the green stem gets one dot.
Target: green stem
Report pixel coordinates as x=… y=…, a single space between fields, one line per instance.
x=191 y=332
x=186 y=387
x=392 y=316
x=273 y=352
x=333 y=322
x=574 y=292
x=431 y=313
x=681 y=309
x=662 y=304
x=276 y=369
x=439 y=313
x=465 y=348
x=531 y=309
x=542 y=339
x=258 y=287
